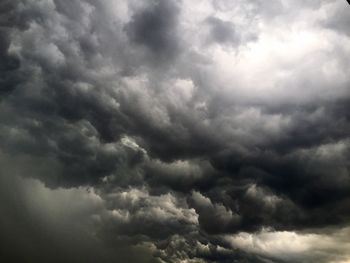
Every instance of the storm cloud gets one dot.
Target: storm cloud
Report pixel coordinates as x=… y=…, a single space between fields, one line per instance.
x=171 y=131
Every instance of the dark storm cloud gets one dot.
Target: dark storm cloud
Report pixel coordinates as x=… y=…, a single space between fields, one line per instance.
x=307 y=177
x=198 y=248
x=54 y=225
x=8 y=62
x=155 y=27
x=189 y=151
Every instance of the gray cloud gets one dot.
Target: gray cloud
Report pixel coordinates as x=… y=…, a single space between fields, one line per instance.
x=156 y=29
x=174 y=131
x=222 y=31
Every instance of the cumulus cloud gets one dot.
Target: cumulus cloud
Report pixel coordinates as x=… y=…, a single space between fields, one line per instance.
x=174 y=131
x=294 y=247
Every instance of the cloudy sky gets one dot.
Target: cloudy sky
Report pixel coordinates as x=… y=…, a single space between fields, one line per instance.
x=174 y=131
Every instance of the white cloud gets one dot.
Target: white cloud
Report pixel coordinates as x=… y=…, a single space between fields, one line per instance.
x=295 y=247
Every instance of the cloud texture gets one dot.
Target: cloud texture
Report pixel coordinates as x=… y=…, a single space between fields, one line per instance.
x=172 y=131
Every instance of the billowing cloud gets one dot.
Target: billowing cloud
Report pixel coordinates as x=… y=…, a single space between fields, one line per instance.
x=174 y=131
x=294 y=247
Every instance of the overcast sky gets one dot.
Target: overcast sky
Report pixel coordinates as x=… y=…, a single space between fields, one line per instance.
x=174 y=131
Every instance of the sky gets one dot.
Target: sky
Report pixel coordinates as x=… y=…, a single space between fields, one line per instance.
x=174 y=131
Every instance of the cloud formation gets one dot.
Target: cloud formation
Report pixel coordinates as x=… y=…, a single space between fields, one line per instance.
x=173 y=131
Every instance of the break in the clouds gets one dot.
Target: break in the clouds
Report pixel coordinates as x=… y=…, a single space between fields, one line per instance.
x=172 y=131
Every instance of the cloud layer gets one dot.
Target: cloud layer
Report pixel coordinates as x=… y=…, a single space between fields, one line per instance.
x=172 y=131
